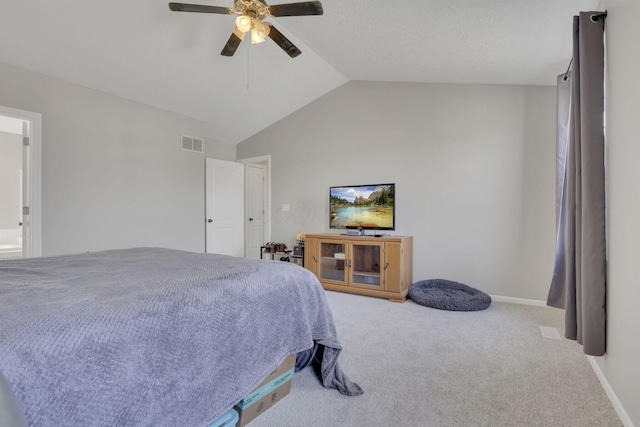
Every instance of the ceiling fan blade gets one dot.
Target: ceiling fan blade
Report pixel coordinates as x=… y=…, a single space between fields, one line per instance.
x=232 y=44
x=283 y=42
x=296 y=9
x=183 y=7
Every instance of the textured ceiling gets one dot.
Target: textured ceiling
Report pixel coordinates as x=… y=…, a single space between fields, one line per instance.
x=142 y=51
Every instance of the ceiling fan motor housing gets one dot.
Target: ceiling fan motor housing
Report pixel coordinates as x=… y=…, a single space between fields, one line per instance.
x=253 y=8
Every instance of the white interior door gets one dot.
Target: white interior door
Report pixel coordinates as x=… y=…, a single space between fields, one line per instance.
x=224 y=207
x=255 y=176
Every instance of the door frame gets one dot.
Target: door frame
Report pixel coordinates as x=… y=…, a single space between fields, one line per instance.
x=267 y=199
x=35 y=177
x=263 y=194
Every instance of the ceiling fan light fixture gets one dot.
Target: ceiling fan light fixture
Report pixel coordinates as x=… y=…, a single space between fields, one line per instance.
x=263 y=29
x=256 y=37
x=243 y=23
x=259 y=31
x=250 y=15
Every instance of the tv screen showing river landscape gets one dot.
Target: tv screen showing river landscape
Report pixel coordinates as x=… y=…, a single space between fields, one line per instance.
x=366 y=206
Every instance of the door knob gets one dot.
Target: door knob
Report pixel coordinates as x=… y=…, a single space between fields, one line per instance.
x=20 y=224
x=250 y=219
x=209 y=220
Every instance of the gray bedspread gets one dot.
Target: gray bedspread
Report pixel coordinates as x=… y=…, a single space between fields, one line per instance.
x=151 y=336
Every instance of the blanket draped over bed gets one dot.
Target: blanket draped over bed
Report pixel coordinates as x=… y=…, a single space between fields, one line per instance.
x=151 y=336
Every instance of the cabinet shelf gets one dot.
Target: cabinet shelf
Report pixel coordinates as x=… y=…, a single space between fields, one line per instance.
x=333 y=276
x=366 y=273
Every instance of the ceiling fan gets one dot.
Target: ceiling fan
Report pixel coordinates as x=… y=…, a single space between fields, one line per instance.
x=250 y=18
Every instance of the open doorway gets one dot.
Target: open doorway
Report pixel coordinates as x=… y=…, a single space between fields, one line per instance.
x=19 y=184
x=257 y=204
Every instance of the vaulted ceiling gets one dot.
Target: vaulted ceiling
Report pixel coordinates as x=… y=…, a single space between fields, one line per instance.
x=142 y=51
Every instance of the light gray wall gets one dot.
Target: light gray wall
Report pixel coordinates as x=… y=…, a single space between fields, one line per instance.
x=474 y=168
x=113 y=173
x=620 y=365
x=10 y=166
x=215 y=149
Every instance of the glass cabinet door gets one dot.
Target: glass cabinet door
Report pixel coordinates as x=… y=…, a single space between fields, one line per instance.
x=365 y=265
x=332 y=261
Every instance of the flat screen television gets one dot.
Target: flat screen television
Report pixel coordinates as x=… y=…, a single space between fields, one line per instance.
x=366 y=207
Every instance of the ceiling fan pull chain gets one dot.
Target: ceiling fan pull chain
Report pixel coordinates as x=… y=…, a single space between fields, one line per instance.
x=248 y=68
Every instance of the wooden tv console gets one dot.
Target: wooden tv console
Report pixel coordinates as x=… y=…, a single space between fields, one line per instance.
x=366 y=265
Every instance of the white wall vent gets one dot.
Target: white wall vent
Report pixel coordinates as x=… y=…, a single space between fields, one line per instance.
x=190 y=143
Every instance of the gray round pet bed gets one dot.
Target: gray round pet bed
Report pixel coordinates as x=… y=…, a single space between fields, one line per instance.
x=448 y=295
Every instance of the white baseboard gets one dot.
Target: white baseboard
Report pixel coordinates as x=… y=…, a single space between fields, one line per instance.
x=523 y=301
x=617 y=405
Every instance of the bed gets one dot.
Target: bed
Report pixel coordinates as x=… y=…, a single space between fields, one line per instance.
x=152 y=336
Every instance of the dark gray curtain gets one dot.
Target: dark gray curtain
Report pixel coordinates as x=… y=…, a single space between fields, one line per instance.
x=578 y=285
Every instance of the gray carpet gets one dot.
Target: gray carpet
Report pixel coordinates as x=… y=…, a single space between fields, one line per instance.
x=425 y=367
